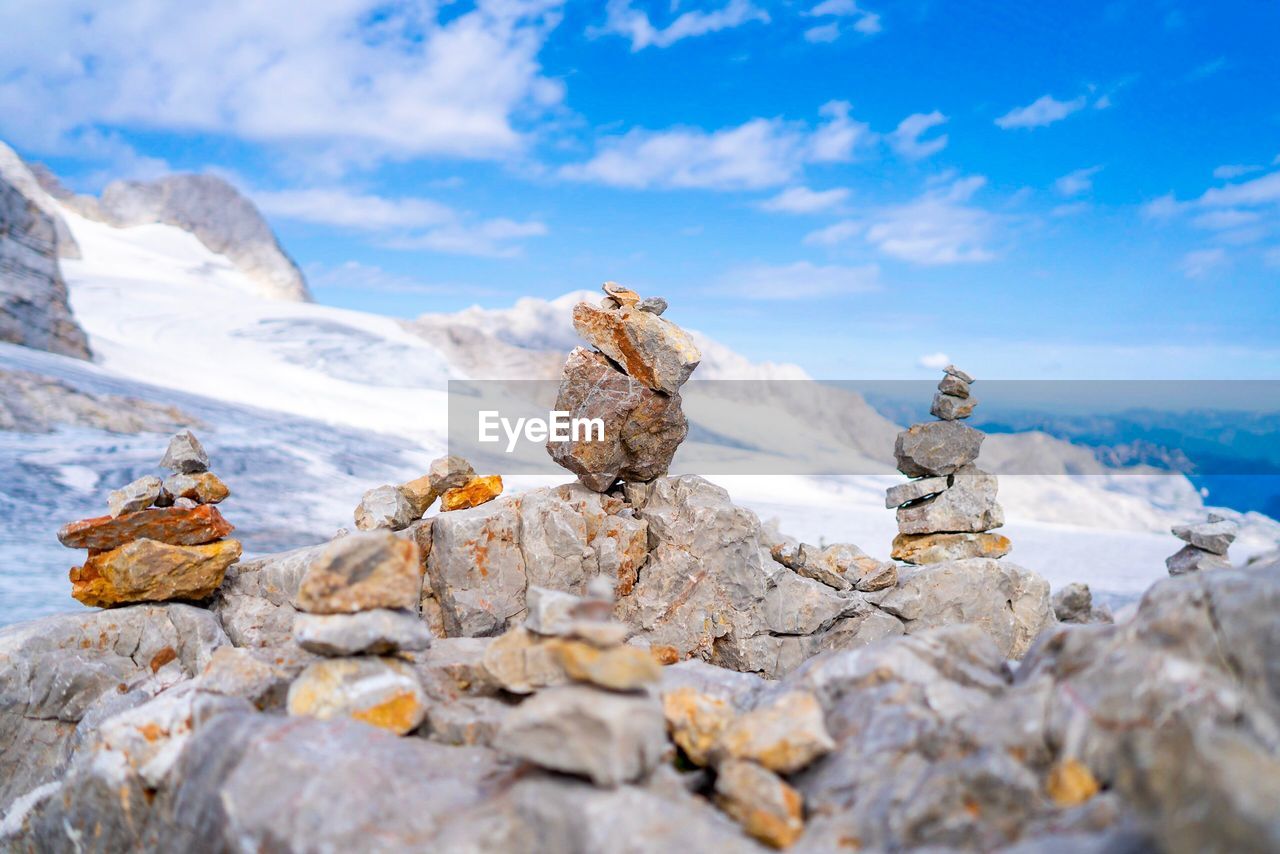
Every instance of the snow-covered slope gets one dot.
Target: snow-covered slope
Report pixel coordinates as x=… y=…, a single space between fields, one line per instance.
x=304 y=406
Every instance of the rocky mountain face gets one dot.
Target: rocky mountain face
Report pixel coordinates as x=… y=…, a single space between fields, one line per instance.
x=215 y=212
x=34 y=310
x=31 y=180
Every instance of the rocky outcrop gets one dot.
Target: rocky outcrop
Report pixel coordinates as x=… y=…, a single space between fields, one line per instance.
x=34 y=403
x=34 y=311
x=30 y=180
x=221 y=217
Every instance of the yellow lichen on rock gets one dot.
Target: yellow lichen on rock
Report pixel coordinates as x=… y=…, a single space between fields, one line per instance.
x=477 y=491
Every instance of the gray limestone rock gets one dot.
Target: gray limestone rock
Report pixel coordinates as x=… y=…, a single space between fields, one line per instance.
x=953 y=371
x=31 y=180
x=950 y=408
x=968 y=505
x=379 y=631
x=1073 y=604
x=954 y=386
x=132 y=497
x=653 y=305
x=1192 y=559
x=449 y=472
x=383 y=692
x=185 y=454
x=913 y=490
x=257 y=601
x=607 y=737
x=936 y=448
x=384 y=507
x=1215 y=537
x=650 y=350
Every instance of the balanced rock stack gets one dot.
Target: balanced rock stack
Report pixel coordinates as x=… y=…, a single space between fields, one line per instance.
x=631 y=382
x=451 y=479
x=358 y=603
x=593 y=714
x=1206 y=545
x=948 y=510
x=162 y=540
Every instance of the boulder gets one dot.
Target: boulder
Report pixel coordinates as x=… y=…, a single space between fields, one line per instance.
x=378 y=631
x=384 y=507
x=651 y=350
x=202 y=487
x=359 y=572
x=132 y=497
x=607 y=737
x=967 y=505
x=151 y=571
x=257 y=601
x=1008 y=602
x=382 y=692
x=938 y=548
x=185 y=454
x=641 y=428
x=760 y=801
x=473 y=493
x=936 y=448
x=176 y=526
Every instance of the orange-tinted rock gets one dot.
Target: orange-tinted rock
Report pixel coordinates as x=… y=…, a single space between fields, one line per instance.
x=359 y=572
x=177 y=526
x=760 y=801
x=696 y=721
x=651 y=350
x=202 y=487
x=1071 y=783
x=420 y=493
x=622 y=668
x=477 y=491
x=937 y=548
x=151 y=571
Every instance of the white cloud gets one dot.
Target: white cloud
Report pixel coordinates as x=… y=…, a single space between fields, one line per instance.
x=1258 y=191
x=934 y=361
x=358 y=79
x=865 y=22
x=368 y=277
x=1234 y=170
x=1228 y=218
x=800 y=280
x=1044 y=110
x=402 y=223
x=760 y=153
x=823 y=33
x=621 y=18
x=906 y=141
x=1076 y=183
x=802 y=200
x=940 y=227
x=1201 y=262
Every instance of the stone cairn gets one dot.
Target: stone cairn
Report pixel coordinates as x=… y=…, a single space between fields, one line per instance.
x=949 y=509
x=631 y=381
x=358 y=603
x=451 y=479
x=1206 y=545
x=163 y=540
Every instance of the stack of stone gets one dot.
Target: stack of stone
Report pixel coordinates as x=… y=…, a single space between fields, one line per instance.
x=358 y=602
x=631 y=382
x=451 y=479
x=1206 y=545
x=592 y=715
x=163 y=539
x=751 y=753
x=948 y=510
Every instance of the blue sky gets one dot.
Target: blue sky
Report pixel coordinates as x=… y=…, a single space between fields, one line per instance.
x=862 y=188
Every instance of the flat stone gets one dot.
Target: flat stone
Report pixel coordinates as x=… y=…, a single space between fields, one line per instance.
x=913 y=490
x=696 y=720
x=882 y=577
x=379 y=631
x=473 y=493
x=620 y=294
x=132 y=497
x=362 y=571
x=937 y=548
x=606 y=737
x=176 y=526
x=784 y=736
x=620 y=668
x=950 y=408
x=651 y=350
x=953 y=371
x=954 y=386
x=1192 y=559
x=382 y=692
x=968 y=505
x=185 y=454
x=520 y=662
x=420 y=493
x=762 y=802
x=384 y=507
x=653 y=305
x=1215 y=537
x=449 y=472
x=936 y=448
x=642 y=428
x=203 y=487
x=150 y=571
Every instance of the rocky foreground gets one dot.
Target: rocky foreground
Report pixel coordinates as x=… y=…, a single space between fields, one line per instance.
x=632 y=663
